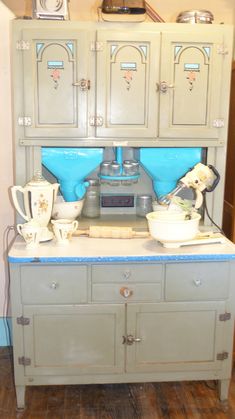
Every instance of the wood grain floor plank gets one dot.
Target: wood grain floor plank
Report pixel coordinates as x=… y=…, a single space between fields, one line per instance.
x=172 y=400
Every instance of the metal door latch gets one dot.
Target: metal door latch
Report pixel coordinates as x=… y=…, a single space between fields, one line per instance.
x=129 y=340
x=83 y=84
x=164 y=87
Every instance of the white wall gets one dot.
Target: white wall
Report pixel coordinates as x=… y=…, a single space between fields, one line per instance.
x=223 y=11
x=6 y=171
x=167 y=9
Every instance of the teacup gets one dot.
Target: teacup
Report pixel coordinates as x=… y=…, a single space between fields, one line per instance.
x=63 y=229
x=31 y=233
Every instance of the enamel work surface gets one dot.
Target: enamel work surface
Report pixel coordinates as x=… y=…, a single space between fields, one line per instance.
x=105 y=250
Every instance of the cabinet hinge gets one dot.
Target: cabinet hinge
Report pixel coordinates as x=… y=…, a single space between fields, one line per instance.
x=24 y=121
x=224 y=317
x=96 y=121
x=218 y=123
x=97 y=46
x=222 y=355
x=23 y=45
x=222 y=50
x=24 y=321
x=24 y=361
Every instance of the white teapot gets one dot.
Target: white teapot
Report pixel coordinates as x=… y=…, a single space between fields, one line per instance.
x=38 y=197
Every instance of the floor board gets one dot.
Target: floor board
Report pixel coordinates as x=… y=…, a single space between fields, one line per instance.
x=176 y=400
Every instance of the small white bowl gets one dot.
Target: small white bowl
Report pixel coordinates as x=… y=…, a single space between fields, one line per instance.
x=68 y=210
x=173 y=231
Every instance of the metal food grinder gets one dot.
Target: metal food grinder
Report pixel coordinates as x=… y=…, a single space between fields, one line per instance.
x=38 y=197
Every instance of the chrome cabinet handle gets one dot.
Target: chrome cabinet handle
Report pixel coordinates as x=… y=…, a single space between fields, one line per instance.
x=129 y=340
x=126 y=292
x=164 y=86
x=83 y=84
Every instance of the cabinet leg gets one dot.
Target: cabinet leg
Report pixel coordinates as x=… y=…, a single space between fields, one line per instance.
x=223 y=389
x=20 y=397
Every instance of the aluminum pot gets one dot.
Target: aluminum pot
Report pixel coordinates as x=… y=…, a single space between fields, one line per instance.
x=195 y=16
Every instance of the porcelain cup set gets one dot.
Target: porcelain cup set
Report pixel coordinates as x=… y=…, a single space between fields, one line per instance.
x=38 y=199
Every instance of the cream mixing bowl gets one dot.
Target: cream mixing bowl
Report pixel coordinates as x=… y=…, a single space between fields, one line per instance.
x=68 y=210
x=173 y=230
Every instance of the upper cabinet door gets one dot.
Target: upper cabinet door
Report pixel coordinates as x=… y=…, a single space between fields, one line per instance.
x=127 y=75
x=55 y=77
x=191 y=68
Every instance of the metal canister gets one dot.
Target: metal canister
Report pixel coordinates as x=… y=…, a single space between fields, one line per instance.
x=143 y=205
x=114 y=168
x=105 y=168
x=130 y=167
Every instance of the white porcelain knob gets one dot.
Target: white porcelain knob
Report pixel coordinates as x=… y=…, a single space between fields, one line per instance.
x=126 y=274
x=197 y=282
x=54 y=285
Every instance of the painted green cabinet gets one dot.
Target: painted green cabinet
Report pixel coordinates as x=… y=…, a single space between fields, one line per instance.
x=121 y=322
x=191 y=82
x=55 y=68
x=74 y=340
x=157 y=82
x=127 y=75
x=174 y=337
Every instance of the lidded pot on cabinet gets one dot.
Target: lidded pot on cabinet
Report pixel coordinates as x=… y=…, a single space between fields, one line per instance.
x=38 y=197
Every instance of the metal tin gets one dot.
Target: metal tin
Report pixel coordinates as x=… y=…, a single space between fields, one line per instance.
x=195 y=16
x=130 y=167
x=143 y=205
x=114 y=168
x=105 y=168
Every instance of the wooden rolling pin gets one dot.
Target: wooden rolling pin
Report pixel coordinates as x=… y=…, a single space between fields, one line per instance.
x=111 y=232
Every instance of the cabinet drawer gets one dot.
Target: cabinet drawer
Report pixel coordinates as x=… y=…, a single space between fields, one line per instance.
x=124 y=293
x=54 y=284
x=197 y=281
x=132 y=273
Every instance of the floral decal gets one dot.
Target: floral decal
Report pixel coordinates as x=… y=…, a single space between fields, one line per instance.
x=42 y=204
x=55 y=75
x=191 y=77
x=128 y=76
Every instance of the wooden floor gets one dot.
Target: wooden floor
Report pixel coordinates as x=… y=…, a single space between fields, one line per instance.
x=191 y=400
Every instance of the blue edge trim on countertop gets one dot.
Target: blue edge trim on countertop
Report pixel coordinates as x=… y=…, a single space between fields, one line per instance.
x=122 y=258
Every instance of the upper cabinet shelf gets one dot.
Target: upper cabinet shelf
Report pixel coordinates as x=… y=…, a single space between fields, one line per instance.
x=107 y=84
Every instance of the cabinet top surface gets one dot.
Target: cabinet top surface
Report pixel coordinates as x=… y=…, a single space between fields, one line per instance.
x=39 y=23
x=85 y=250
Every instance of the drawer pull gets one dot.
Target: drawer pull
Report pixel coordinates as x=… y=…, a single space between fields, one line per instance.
x=126 y=274
x=197 y=282
x=126 y=292
x=54 y=285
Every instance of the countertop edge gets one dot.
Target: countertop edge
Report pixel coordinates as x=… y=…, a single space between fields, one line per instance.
x=156 y=258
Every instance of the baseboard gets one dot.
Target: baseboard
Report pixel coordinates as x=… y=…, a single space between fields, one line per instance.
x=5 y=331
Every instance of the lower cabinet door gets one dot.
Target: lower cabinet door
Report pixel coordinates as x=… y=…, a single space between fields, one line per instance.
x=174 y=337
x=74 y=340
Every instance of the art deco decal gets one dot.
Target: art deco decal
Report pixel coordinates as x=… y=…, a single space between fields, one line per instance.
x=128 y=69
x=192 y=69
